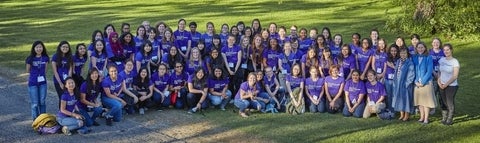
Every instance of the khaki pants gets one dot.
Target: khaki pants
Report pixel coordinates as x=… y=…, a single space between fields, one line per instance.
x=373 y=108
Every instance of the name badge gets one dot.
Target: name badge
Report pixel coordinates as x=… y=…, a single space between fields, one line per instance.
x=230 y=65
x=244 y=66
x=274 y=68
x=118 y=63
x=183 y=48
x=40 y=79
x=390 y=76
x=371 y=103
x=340 y=74
x=354 y=101
x=436 y=68
x=379 y=70
x=315 y=97
x=284 y=71
x=65 y=76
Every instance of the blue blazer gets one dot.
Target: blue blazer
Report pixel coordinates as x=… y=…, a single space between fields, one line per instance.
x=423 y=69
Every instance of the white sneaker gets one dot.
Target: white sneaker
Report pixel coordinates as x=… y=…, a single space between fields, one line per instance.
x=141 y=111
x=66 y=131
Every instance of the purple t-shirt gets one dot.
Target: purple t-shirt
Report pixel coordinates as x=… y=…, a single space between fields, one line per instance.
x=101 y=58
x=335 y=50
x=354 y=48
x=195 y=38
x=389 y=74
x=113 y=86
x=231 y=55
x=128 y=77
x=380 y=61
x=208 y=39
x=288 y=61
x=362 y=58
x=269 y=82
x=166 y=47
x=161 y=82
x=303 y=45
x=314 y=87
x=62 y=68
x=142 y=58
x=334 y=85
x=375 y=91
x=217 y=84
x=348 y=64
x=294 y=81
x=178 y=80
x=138 y=43
x=94 y=93
x=37 y=70
x=245 y=87
x=78 y=64
x=304 y=61
x=436 y=57
x=272 y=58
x=354 y=90
x=129 y=50
x=191 y=66
x=71 y=103
x=195 y=86
x=181 y=39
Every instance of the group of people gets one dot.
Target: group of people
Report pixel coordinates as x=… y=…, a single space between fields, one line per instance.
x=254 y=68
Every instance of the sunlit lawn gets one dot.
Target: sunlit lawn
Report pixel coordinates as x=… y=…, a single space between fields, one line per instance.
x=22 y=22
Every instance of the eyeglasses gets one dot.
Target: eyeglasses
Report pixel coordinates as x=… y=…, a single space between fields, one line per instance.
x=178 y=66
x=268 y=71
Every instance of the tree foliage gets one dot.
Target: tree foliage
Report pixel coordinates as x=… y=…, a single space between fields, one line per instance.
x=453 y=18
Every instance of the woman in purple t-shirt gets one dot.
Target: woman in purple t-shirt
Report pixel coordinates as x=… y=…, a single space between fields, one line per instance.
x=315 y=91
x=62 y=66
x=160 y=88
x=218 y=88
x=333 y=89
x=375 y=94
x=36 y=66
x=247 y=94
x=197 y=91
x=90 y=98
x=354 y=96
x=295 y=85
x=68 y=115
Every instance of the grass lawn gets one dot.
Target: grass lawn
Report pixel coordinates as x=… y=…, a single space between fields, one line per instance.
x=23 y=22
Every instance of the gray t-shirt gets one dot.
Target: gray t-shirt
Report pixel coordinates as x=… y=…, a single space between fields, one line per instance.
x=446 y=70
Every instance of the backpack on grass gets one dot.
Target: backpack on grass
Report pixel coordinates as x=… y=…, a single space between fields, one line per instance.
x=46 y=124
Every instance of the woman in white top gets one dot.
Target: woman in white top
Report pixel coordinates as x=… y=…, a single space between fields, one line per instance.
x=449 y=69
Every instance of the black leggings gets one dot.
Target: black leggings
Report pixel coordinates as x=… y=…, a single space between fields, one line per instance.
x=448 y=98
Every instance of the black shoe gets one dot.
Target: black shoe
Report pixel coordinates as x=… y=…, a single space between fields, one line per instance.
x=95 y=123
x=109 y=121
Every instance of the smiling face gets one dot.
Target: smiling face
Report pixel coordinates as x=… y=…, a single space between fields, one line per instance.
x=64 y=48
x=296 y=70
x=38 y=49
x=200 y=74
x=99 y=46
x=112 y=72
x=129 y=66
x=218 y=73
x=403 y=54
x=82 y=50
x=181 y=25
x=345 y=50
x=94 y=76
x=252 y=79
x=421 y=48
x=128 y=38
x=436 y=44
x=338 y=40
x=355 y=76
x=162 y=69
x=313 y=72
x=143 y=73
x=70 y=84
x=173 y=51
x=447 y=51
x=178 y=68
x=371 y=77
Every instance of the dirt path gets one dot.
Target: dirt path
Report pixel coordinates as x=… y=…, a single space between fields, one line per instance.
x=155 y=126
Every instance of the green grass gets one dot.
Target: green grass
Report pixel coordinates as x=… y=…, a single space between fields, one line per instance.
x=23 y=22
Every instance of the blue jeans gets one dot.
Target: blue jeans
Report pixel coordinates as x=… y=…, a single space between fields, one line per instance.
x=318 y=108
x=90 y=119
x=242 y=104
x=194 y=98
x=389 y=90
x=37 y=99
x=71 y=123
x=357 y=113
x=157 y=99
x=217 y=100
x=115 y=108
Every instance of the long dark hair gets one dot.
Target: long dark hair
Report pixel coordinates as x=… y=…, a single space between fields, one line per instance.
x=104 y=50
x=91 y=84
x=77 y=53
x=67 y=55
x=202 y=82
x=94 y=34
x=105 y=34
x=212 y=75
x=138 y=78
x=33 y=53
x=76 y=92
x=390 y=57
x=340 y=58
x=123 y=42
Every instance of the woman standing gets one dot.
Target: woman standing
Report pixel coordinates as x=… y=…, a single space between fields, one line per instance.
x=62 y=66
x=423 y=92
x=449 y=69
x=36 y=66
x=404 y=77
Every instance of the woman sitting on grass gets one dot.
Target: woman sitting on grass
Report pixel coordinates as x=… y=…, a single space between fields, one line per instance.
x=376 y=94
x=247 y=94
